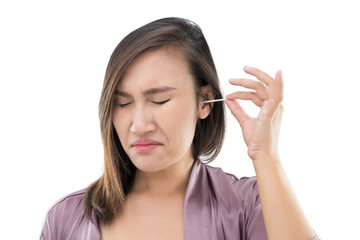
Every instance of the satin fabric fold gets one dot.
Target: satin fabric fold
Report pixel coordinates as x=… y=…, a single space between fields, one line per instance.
x=220 y=206
x=217 y=206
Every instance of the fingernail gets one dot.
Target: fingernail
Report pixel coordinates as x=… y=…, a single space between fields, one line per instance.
x=246 y=67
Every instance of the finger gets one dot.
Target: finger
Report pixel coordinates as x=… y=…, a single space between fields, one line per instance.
x=275 y=90
x=279 y=112
x=276 y=96
x=238 y=112
x=279 y=86
x=259 y=87
x=252 y=96
x=262 y=76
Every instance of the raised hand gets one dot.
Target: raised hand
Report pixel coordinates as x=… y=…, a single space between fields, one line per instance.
x=261 y=134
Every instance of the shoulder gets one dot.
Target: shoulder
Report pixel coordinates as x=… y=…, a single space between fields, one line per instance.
x=68 y=206
x=66 y=217
x=244 y=184
x=229 y=203
x=243 y=189
x=75 y=196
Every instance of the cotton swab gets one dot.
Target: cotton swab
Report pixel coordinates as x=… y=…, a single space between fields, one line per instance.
x=215 y=100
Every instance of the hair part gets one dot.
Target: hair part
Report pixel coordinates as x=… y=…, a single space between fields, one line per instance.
x=106 y=196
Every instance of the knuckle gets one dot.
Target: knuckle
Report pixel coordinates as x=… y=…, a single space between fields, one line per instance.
x=251 y=96
x=258 y=85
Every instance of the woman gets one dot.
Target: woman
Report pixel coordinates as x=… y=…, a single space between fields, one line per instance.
x=156 y=125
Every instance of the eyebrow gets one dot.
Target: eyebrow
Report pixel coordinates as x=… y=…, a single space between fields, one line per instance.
x=150 y=91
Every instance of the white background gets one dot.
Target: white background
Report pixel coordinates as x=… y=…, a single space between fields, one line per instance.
x=53 y=57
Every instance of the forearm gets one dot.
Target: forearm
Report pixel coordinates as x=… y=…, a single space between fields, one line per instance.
x=283 y=216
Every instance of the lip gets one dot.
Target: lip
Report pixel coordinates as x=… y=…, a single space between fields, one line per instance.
x=145 y=145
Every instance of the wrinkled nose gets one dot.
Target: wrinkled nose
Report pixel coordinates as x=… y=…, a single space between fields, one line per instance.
x=142 y=122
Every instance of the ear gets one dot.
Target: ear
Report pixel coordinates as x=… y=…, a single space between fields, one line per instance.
x=205 y=108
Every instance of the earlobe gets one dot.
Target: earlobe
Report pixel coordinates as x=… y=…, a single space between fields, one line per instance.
x=204 y=111
x=205 y=108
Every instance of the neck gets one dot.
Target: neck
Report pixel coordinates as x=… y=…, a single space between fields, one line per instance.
x=167 y=182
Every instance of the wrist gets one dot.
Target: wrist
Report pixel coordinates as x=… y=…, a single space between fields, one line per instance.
x=266 y=161
x=263 y=155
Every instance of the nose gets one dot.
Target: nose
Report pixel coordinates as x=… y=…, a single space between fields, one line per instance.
x=142 y=121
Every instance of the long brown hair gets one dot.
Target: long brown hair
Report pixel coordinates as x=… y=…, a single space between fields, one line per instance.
x=106 y=196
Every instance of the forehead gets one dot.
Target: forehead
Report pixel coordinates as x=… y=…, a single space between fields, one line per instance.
x=160 y=67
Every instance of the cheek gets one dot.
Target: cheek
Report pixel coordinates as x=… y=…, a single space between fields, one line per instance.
x=178 y=123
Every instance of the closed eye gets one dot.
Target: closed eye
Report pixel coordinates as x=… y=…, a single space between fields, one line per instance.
x=159 y=103
x=122 y=105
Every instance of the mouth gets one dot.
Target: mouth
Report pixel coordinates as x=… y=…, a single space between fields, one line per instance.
x=145 y=147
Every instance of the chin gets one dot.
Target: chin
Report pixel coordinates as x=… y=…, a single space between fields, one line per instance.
x=150 y=165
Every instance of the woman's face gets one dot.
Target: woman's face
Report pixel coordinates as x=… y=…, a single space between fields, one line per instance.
x=155 y=110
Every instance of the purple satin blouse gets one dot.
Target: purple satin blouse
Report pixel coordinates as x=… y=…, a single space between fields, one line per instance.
x=217 y=206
